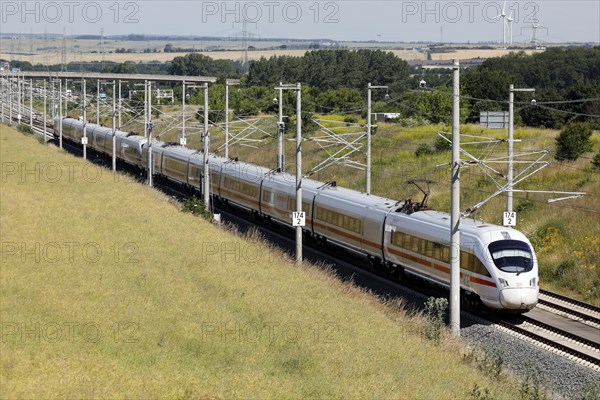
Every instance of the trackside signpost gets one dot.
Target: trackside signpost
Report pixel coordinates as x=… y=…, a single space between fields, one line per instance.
x=299 y=218
x=509 y=218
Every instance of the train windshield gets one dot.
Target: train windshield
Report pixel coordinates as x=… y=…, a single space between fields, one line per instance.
x=512 y=256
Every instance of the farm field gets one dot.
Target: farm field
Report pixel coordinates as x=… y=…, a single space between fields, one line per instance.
x=103 y=299
x=48 y=52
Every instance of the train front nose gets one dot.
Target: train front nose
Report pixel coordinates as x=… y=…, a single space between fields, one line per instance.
x=519 y=298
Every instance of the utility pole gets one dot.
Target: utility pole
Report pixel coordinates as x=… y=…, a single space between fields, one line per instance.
x=280 y=132
x=455 y=206
x=10 y=99
x=84 y=139
x=298 y=88
x=2 y=90
x=98 y=102
x=60 y=115
x=298 y=169
x=206 y=137
x=182 y=141
x=66 y=97
x=44 y=131
x=30 y=103
x=228 y=82
x=19 y=109
x=114 y=128
x=369 y=127
x=511 y=123
x=148 y=92
x=120 y=105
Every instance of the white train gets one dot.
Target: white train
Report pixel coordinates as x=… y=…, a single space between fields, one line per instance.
x=498 y=264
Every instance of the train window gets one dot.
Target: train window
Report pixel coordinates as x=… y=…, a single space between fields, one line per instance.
x=238 y=186
x=268 y=196
x=335 y=218
x=471 y=263
x=441 y=252
x=511 y=256
x=292 y=205
x=397 y=238
x=428 y=248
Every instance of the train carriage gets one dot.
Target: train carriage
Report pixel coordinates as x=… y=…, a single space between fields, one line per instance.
x=130 y=149
x=175 y=163
x=72 y=128
x=100 y=138
x=157 y=152
x=195 y=170
x=240 y=183
x=340 y=214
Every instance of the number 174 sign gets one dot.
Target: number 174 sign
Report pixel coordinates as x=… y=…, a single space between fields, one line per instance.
x=298 y=218
x=509 y=219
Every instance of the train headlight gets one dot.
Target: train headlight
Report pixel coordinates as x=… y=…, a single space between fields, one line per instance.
x=503 y=282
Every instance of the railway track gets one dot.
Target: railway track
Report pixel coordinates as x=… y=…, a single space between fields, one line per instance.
x=556 y=333
x=560 y=324
x=583 y=312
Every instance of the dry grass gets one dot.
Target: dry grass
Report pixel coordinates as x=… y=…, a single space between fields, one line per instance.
x=231 y=51
x=54 y=58
x=477 y=53
x=163 y=304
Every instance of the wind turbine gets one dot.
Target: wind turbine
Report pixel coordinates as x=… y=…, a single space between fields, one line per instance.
x=509 y=21
x=534 y=28
x=504 y=22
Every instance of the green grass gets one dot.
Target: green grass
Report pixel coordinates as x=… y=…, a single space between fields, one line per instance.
x=102 y=298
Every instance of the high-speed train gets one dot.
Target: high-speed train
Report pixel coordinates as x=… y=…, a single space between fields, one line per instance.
x=498 y=264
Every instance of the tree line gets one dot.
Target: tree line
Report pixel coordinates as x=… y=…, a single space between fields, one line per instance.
x=336 y=81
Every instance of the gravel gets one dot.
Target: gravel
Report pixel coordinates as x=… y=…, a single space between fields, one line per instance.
x=566 y=378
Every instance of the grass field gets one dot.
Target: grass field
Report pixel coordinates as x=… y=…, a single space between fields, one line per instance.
x=227 y=51
x=54 y=58
x=109 y=291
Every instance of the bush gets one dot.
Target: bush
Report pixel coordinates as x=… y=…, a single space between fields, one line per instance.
x=442 y=145
x=423 y=150
x=26 y=129
x=596 y=161
x=435 y=311
x=573 y=141
x=196 y=206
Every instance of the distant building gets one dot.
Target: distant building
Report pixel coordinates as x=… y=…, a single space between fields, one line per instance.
x=385 y=117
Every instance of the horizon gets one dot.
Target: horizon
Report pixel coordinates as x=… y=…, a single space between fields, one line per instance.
x=381 y=21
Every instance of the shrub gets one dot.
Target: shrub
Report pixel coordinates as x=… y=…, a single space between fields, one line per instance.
x=195 y=206
x=26 y=129
x=435 y=310
x=442 y=145
x=423 y=150
x=596 y=161
x=573 y=141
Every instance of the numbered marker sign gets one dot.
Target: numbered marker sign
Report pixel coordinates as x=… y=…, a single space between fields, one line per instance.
x=509 y=218
x=299 y=218
x=182 y=141
x=84 y=140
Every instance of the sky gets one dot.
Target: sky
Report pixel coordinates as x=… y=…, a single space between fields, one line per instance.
x=348 y=20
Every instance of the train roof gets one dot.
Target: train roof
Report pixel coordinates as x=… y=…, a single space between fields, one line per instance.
x=368 y=200
x=177 y=150
x=467 y=225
